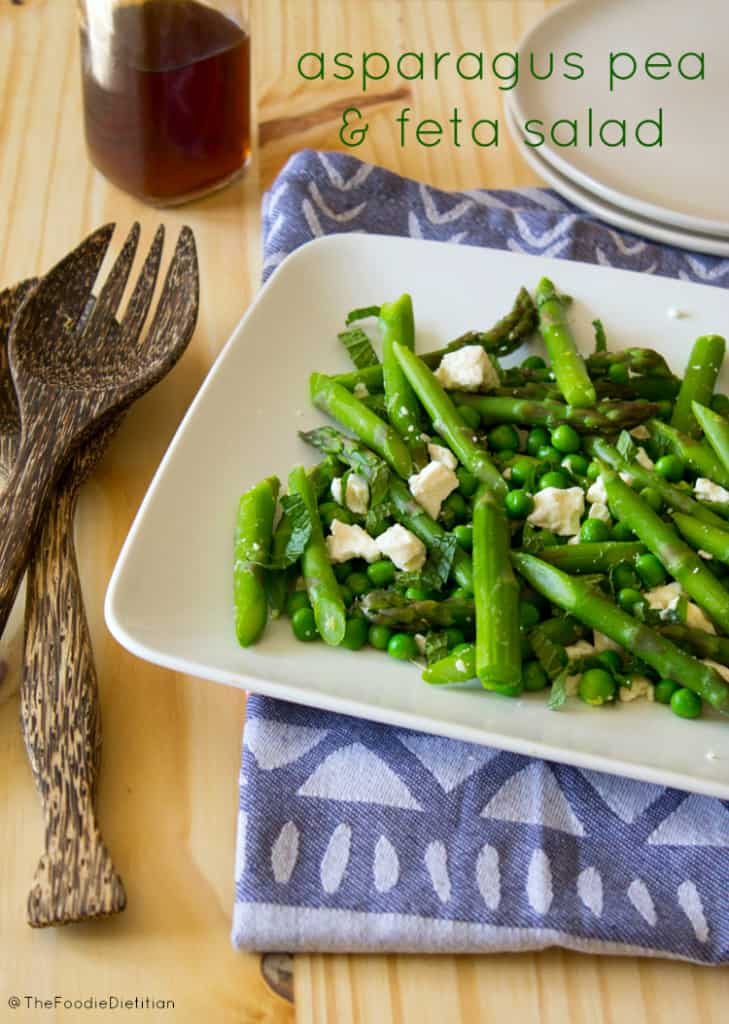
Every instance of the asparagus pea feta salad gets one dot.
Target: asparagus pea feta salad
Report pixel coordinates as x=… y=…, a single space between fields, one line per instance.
x=557 y=526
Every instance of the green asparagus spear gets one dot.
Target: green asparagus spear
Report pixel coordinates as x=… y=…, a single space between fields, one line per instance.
x=455 y=668
x=674 y=497
x=699 y=642
x=596 y=611
x=334 y=399
x=496 y=597
x=447 y=422
x=390 y=608
x=567 y=364
x=716 y=431
x=643 y=361
x=276 y=581
x=403 y=409
x=321 y=584
x=413 y=517
x=607 y=416
x=703 y=537
x=698 y=455
x=354 y=454
x=253 y=534
x=592 y=558
x=663 y=541
x=698 y=383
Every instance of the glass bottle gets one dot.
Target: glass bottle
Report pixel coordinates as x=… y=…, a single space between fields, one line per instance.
x=166 y=91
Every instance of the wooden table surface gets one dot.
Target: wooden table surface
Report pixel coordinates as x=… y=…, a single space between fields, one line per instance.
x=170 y=760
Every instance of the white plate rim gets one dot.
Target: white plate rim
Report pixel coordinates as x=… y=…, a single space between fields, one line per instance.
x=619 y=200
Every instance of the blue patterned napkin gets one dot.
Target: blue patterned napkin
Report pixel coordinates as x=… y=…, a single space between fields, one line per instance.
x=356 y=836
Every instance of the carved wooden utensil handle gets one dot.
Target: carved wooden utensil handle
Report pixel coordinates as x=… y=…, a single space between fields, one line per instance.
x=75 y=878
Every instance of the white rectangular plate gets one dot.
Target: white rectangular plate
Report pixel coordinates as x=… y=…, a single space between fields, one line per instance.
x=169 y=599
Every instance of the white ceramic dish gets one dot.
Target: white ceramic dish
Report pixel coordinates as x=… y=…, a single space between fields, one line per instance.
x=681 y=183
x=615 y=215
x=169 y=599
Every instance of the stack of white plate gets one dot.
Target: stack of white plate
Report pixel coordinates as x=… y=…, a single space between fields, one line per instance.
x=676 y=193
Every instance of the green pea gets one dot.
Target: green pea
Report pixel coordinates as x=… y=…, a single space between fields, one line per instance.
x=518 y=504
x=304 y=625
x=329 y=511
x=419 y=594
x=529 y=614
x=576 y=463
x=342 y=570
x=597 y=687
x=621 y=531
x=618 y=373
x=625 y=576
x=359 y=583
x=593 y=471
x=652 y=498
x=685 y=703
x=549 y=455
x=464 y=536
x=467 y=483
x=671 y=468
x=534 y=677
x=469 y=415
x=522 y=471
x=594 y=531
x=566 y=439
x=720 y=404
x=650 y=570
x=402 y=646
x=355 y=634
x=611 y=660
x=533 y=363
x=379 y=637
x=503 y=438
x=455 y=507
x=299 y=599
x=628 y=598
x=454 y=637
x=347 y=594
x=664 y=690
x=537 y=438
x=381 y=573
x=555 y=478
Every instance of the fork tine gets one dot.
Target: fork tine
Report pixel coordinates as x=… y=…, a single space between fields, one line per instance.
x=111 y=293
x=176 y=313
x=72 y=279
x=136 y=312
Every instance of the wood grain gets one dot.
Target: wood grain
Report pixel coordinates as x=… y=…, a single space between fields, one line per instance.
x=168 y=791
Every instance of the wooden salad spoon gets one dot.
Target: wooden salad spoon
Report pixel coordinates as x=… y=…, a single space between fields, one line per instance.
x=68 y=381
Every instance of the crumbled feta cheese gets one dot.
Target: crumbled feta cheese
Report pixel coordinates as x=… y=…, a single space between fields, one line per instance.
x=596 y=493
x=664 y=598
x=425 y=437
x=572 y=685
x=360 y=389
x=722 y=670
x=439 y=453
x=558 y=509
x=600 y=511
x=707 y=490
x=704 y=554
x=420 y=643
x=711 y=755
x=627 y=478
x=336 y=489
x=467 y=369
x=460 y=665
x=403 y=548
x=345 y=542
x=357 y=494
x=507 y=473
x=641 y=432
x=643 y=459
x=639 y=688
x=431 y=486
x=603 y=643
x=676 y=314
x=581 y=649
x=404 y=410
x=696 y=619
x=575 y=540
